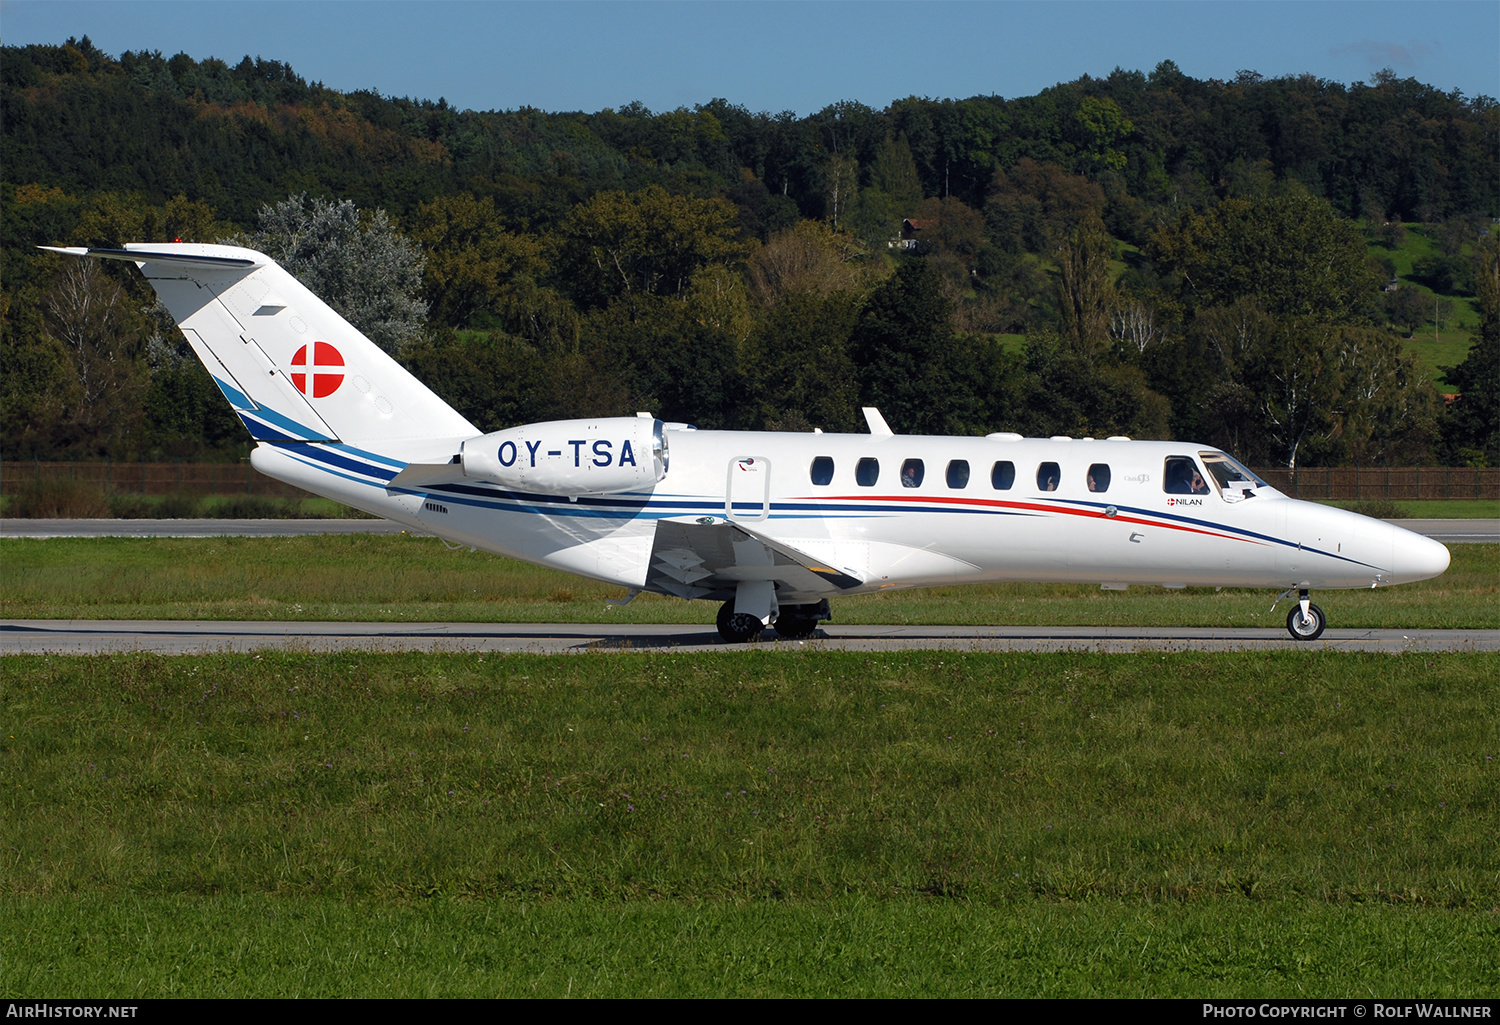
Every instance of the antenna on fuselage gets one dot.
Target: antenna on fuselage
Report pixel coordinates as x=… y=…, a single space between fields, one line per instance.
x=876 y=421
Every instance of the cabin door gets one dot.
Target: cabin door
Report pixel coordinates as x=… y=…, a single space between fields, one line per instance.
x=747 y=493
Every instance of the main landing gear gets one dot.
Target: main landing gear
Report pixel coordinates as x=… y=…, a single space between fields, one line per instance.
x=738 y=627
x=1306 y=621
x=792 y=622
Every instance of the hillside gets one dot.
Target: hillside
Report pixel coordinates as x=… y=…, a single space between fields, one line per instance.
x=1143 y=253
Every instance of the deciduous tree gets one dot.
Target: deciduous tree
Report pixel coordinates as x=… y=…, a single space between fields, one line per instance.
x=471 y=260
x=643 y=243
x=92 y=318
x=1289 y=252
x=362 y=267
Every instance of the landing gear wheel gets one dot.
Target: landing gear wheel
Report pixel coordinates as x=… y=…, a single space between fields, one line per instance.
x=795 y=627
x=1309 y=629
x=738 y=627
x=794 y=622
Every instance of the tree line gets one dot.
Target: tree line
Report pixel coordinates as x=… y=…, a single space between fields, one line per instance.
x=1148 y=255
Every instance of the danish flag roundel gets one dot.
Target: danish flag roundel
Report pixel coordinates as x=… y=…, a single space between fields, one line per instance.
x=327 y=370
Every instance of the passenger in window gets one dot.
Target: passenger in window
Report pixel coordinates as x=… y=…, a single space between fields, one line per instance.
x=1098 y=477
x=908 y=476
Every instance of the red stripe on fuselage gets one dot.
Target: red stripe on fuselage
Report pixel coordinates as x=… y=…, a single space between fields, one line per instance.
x=1029 y=506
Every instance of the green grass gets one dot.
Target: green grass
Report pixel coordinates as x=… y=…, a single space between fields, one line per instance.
x=1012 y=343
x=264 y=946
x=407 y=578
x=1446 y=347
x=1430 y=509
x=1310 y=824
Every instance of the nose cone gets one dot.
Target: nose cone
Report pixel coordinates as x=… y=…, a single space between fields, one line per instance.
x=1415 y=557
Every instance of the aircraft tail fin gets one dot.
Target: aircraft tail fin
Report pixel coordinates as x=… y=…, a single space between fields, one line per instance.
x=292 y=368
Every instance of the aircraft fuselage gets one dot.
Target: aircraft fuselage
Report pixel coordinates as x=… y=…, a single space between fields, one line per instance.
x=978 y=513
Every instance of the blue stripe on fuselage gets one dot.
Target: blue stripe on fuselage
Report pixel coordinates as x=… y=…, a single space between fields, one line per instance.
x=663 y=506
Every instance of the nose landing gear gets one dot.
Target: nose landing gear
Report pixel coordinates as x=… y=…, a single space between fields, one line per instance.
x=1306 y=621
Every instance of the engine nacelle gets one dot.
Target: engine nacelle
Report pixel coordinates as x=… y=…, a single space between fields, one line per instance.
x=571 y=457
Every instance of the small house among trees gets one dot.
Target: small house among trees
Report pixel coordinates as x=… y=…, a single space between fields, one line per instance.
x=909 y=241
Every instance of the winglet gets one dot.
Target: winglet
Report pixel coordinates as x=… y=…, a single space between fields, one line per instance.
x=876 y=421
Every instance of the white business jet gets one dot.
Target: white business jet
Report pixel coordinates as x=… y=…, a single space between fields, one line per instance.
x=772 y=525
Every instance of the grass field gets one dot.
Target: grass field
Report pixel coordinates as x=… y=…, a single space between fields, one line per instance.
x=1450 y=345
x=1432 y=509
x=406 y=578
x=1254 y=824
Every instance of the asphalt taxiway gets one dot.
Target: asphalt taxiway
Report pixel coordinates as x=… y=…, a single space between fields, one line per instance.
x=101 y=637
x=202 y=637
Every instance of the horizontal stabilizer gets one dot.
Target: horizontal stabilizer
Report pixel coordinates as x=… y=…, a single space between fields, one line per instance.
x=418 y=476
x=141 y=256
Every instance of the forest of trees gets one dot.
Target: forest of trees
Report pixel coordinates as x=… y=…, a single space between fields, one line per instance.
x=1142 y=254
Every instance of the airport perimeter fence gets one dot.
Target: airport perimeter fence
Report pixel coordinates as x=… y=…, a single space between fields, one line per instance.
x=169 y=478
x=1337 y=483
x=1393 y=483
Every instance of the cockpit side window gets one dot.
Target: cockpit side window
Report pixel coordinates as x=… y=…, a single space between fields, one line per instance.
x=1235 y=482
x=1180 y=476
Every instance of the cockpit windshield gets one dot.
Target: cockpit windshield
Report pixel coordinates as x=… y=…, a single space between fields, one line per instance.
x=1235 y=481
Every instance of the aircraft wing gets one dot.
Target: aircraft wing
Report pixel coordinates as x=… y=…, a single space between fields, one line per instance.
x=707 y=557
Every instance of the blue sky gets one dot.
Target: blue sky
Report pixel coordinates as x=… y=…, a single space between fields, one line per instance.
x=785 y=55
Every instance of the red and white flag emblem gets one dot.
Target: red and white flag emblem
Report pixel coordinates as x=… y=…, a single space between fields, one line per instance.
x=327 y=370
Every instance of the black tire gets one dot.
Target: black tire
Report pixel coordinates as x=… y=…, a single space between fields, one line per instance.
x=1305 y=630
x=738 y=627
x=795 y=627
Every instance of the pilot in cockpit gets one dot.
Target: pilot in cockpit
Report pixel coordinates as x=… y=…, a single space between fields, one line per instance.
x=1183 y=478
